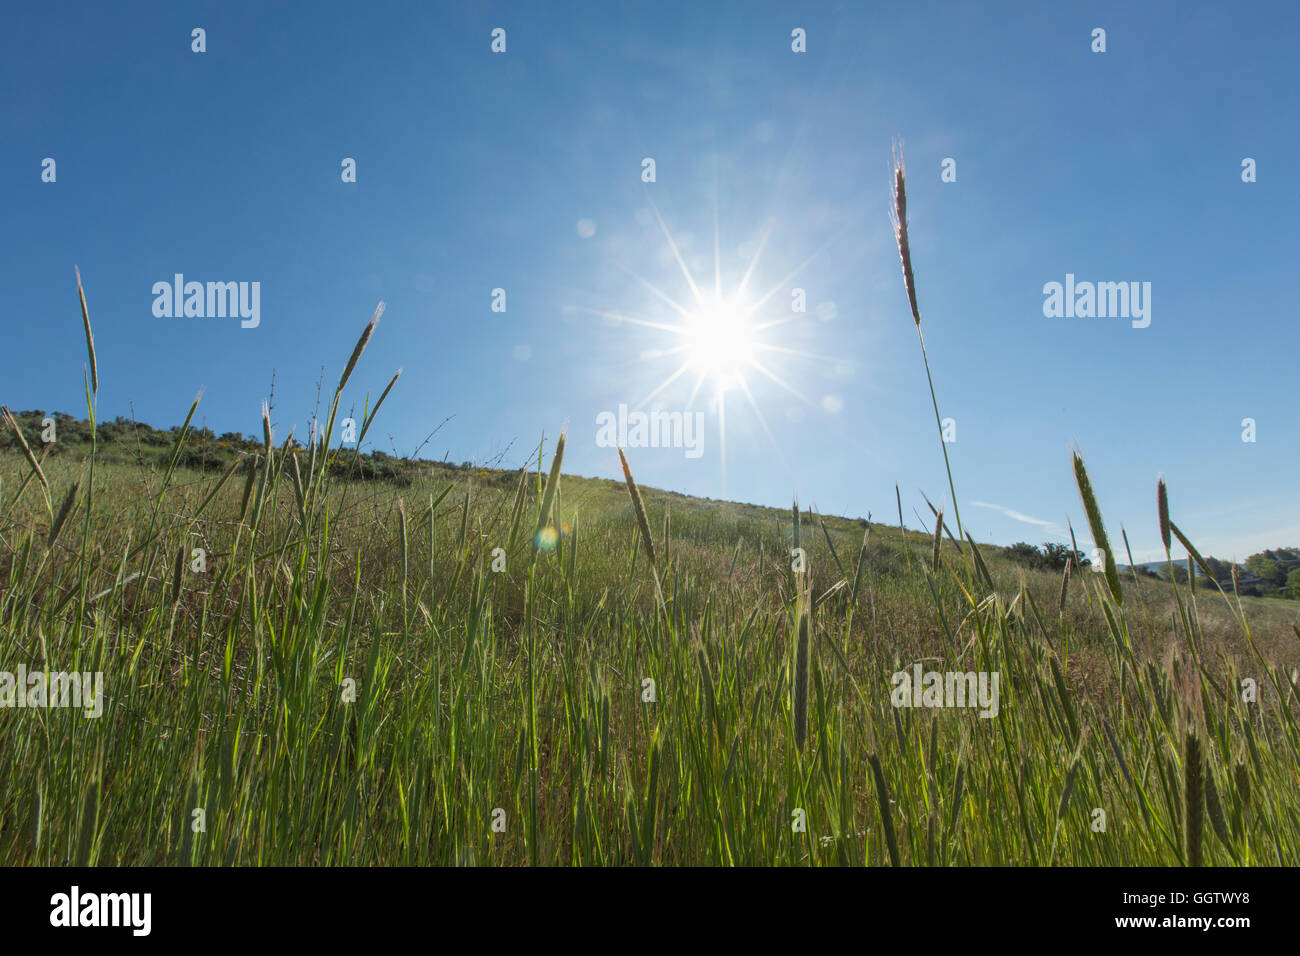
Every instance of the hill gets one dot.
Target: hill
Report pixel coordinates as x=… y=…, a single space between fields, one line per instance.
x=346 y=658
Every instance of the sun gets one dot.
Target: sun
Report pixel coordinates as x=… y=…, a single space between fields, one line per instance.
x=720 y=343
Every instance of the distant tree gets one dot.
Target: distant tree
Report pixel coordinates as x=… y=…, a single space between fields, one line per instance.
x=1293 y=582
x=1055 y=556
x=1222 y=570
x=1265 y=568
x=1179 y=573
x=1051 y=557
x=1022 y=552
x=1288 y=559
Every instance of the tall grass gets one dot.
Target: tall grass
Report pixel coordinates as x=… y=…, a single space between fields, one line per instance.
x=354 y=678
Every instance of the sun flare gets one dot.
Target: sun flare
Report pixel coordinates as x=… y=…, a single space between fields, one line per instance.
x=720 y=343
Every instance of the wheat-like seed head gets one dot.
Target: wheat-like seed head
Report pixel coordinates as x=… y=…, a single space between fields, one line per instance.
x=361 y=345
x=1214 y=807
x=552 y=486
x=1093 y=513
x=899 y=216
x=90 y=338
x=1065 y=585
x=1162 y=506
x=1242 y=778
x=266 y=427
x=638 y=508
x=938 y=540
x=27 y=450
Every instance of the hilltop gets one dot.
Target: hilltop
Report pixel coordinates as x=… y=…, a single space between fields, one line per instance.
x=1272 y=573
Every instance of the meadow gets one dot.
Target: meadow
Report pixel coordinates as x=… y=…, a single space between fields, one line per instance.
x=482 y=667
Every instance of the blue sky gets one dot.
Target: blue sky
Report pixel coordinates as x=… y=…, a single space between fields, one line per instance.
x=475 y=169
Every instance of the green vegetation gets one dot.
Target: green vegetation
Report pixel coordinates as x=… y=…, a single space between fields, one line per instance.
x=446 y=666
x=123 y=441
x=1271 y=573
x=1277 y=572
x=1051 y=557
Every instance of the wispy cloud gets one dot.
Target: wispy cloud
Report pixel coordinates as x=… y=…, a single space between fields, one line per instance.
x=1051 y=527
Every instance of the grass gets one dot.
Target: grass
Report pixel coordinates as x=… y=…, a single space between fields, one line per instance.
x=347 y=679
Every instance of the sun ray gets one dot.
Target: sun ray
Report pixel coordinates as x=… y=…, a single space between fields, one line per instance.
x=762 y=421
x=680 y=309
x=717 y=247
x=789 y=388
x=774 y=323
x=799 y=268
x=690 y=401
x=722 y=437
x=664 y=384
x=753 y=263
x=690 y=280
x=764 y=347
x=652 y=354
x=632 y=319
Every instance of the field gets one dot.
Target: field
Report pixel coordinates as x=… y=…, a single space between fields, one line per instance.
x=525 y=668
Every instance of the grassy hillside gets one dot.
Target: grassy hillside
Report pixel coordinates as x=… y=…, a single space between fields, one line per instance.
x=521 y=690
x=308 y=661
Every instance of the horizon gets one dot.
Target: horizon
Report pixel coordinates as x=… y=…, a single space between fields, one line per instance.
x=772 y=174
x=921 y=528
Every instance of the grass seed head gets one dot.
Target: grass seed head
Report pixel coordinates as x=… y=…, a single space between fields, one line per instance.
x=1065 y=586
x=266 y=426
x=1162 y=506
x=552 y=486
x=899 y=216
x=1097 y=528
x=27 y=450
x=638 y=508
x=361 y=346
x=90 y=338
x=938 y=540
